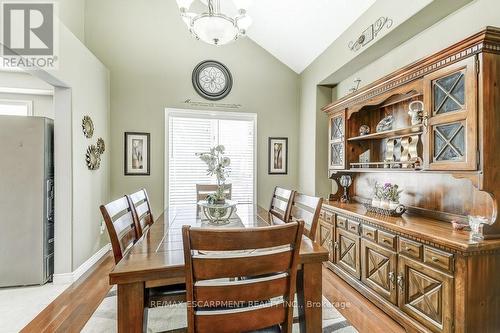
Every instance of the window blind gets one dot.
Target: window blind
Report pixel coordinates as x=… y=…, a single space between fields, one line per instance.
x=188 y=136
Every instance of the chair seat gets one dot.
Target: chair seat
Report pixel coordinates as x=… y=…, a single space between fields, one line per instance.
x=272 y=329
x=165 y=295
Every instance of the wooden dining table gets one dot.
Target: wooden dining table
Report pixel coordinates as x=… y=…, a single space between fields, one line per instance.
x=157 y=259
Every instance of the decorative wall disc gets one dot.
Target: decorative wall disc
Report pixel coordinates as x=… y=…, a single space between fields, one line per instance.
x=88 y=127
x=101 y=146
x=212 y=80
x=93 y=158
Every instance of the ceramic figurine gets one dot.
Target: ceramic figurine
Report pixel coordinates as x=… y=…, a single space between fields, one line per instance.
x=416 y=112
x=364 y=130
x=385 y=124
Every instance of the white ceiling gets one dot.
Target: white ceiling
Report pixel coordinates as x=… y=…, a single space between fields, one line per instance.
x=298 y=31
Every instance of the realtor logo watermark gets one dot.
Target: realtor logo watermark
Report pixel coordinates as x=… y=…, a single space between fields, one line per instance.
x=29 y=34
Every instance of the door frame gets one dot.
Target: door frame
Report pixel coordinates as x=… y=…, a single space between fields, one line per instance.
x=208 y=114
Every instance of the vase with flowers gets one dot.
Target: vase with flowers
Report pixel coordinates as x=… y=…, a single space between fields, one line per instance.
x=386 y=196
x=217 y=166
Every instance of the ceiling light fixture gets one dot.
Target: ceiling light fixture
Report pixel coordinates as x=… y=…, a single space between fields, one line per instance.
x=214 y=27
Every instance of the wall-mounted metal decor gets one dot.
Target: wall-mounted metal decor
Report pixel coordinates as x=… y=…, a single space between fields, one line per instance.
x=370 y=33
x=101 y=146
x=212 y=80
x=87 y=127
x=93 y=158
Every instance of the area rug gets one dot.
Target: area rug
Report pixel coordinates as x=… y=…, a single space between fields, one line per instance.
x=174 y=317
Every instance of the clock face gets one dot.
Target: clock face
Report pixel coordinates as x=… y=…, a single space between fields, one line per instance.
x=212 y=80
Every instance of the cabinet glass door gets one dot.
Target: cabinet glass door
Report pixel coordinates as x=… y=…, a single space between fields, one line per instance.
x=450 y=99
x=337 y=141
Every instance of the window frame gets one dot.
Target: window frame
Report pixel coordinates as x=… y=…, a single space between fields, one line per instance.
x=225 y=115
x=17 y=102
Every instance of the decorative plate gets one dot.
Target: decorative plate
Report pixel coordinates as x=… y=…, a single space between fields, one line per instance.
x=101 y=146
x=93 y=158
x=88 y=127
x=385 y=124
x=212 y=80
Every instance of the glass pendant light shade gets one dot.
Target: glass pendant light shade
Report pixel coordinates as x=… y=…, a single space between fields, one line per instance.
x=242 y=4
x=215 y=29
x=184 y=3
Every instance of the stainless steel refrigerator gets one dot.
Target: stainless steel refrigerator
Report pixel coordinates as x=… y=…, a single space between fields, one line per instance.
x=26 y=200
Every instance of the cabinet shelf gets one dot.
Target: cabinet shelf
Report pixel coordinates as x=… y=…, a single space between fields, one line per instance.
x=389 y=134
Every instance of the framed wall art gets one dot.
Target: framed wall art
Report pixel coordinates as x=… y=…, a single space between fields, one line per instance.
x=137 y=154
x=278 y=156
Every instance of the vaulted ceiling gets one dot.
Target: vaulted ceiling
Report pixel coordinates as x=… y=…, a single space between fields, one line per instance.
x=298 y=31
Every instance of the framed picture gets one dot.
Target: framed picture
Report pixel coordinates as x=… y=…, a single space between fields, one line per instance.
x=278 y=156
x=137 y=154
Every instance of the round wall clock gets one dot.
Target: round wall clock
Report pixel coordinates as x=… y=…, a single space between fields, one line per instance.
x=212 y=80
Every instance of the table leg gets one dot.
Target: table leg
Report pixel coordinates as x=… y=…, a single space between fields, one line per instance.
x=131 y=307
x=309 y=297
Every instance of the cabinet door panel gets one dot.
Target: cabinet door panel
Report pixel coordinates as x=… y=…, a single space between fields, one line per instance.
x=426 y=295
x=325 y=236
x=347 y=252
x=378 y=270
x=450 y=140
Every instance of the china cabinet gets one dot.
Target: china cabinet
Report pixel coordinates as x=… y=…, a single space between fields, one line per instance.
x=417 y=268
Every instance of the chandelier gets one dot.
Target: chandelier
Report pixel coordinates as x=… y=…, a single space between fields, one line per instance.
x=215 y=27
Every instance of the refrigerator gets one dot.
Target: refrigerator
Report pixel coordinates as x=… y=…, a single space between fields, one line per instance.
x=26 y=200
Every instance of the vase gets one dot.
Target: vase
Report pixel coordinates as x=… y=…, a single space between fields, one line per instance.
x=376 y=202
x=384 y=204
x=393 y=205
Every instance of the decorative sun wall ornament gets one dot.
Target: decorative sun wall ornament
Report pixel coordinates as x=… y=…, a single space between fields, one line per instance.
x=212 y=80
x=87 y=127
x=93 y=158
x=101 y=146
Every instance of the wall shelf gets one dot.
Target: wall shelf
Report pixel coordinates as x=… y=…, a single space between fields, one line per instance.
x=389 y=134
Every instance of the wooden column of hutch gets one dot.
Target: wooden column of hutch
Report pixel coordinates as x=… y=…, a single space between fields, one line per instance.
x=427 y=276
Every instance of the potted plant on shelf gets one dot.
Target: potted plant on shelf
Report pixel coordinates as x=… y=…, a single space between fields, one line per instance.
x=217 y=166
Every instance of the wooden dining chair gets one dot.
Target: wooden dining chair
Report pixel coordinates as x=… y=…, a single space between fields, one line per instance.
x=281 y=203
x=141 y=209
x=122 y=229
x=266 y=258
x=121 y=226
x=306 y=208
x=203 y=190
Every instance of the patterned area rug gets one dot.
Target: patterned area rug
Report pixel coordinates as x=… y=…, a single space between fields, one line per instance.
x=174 y=317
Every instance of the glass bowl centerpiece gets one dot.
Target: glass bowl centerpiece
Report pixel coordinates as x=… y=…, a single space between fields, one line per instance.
x=215 y=207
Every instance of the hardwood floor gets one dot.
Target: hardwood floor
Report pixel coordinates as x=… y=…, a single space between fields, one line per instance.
x=73 y=308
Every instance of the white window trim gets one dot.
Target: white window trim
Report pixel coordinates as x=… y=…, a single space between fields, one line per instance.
x=27 y=103
x=187 y=113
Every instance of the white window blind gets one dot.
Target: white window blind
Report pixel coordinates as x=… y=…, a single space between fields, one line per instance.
x=16 y=108
x=188 y=136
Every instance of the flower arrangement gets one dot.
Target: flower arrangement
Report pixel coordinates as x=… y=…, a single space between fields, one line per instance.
x=217 y=166
x=386 y=196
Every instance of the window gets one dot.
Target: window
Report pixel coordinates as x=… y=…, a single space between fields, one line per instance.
x=190 y=133
x=16 y=108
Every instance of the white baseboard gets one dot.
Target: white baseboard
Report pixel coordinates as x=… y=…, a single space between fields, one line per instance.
x=66 y=278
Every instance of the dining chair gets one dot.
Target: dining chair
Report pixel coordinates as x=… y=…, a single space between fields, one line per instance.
x=281 y=203
x=266 y=257
x=141 y=209
x=203 y=190
x=306 y=208
x=122 y=229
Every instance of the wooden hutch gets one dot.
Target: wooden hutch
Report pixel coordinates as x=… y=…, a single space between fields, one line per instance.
x=417 y=268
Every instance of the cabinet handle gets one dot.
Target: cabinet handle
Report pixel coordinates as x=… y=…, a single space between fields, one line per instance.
x=408 y=249
x=386 y=241
x=369 y=234
x=435 y=259
x=392 y=279
x=335 y=245
x=425 y=122
x=401 y=283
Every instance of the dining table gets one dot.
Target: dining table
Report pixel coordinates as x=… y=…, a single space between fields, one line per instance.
x=157 y=259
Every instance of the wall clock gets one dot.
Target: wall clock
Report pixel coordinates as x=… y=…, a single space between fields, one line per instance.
x=212 y=80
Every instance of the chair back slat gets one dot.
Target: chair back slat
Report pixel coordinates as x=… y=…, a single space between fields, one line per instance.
x=203 y=190
x=141 y=207
x=121 y=226
x=306 y=208
x=281 y=203
x=234 y=239
x=265 y=259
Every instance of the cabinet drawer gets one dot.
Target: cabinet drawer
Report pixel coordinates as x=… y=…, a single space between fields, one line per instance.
x=353 y=226
x=328 y=217
x=341 y=222
x=369 y=232
x=386 y=239
x=439 y=259
x=410 y=248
